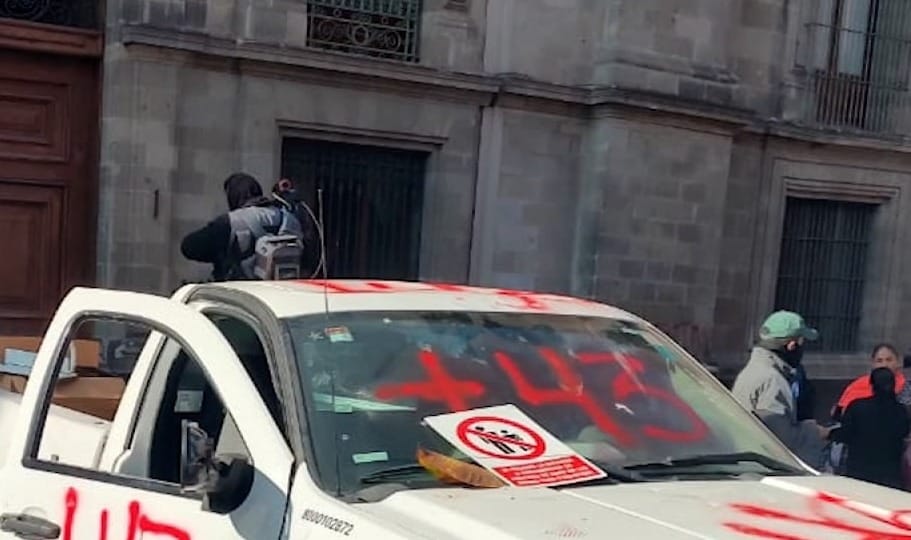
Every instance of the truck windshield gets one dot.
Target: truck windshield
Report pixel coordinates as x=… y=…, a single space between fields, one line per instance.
x=616 y=392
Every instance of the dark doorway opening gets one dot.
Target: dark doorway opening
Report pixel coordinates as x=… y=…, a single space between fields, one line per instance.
x=373 y=199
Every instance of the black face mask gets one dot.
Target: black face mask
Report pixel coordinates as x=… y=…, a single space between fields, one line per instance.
x=792 y=357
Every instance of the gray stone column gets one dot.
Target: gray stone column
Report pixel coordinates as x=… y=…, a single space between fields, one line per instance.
x=138 y=161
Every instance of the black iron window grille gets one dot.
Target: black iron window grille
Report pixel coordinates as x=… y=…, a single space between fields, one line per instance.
x=857 y=57
x=823 y=266
x=379 y=28
x=73 y=13
x=372 y=204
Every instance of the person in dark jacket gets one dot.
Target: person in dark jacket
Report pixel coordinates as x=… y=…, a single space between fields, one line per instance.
x=804 y=393
x=227 y=241
x=874 y=429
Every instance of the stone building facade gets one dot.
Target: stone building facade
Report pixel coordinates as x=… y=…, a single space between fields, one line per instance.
x=699 y=162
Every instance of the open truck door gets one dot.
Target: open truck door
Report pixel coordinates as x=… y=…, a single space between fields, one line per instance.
x=207 y=462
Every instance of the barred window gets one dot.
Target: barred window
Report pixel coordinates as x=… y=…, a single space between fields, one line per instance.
x=373 y=199
x=857 y=55
x=822 y=267
x=379 y=28
x=74 y=13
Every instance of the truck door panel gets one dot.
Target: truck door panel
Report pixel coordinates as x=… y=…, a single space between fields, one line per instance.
x=100 y=502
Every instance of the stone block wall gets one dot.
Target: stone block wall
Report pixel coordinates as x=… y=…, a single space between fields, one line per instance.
x=452 y=33
x=533 y=202
x=178 y=129
x=733 y=317
x=662 y=192
x=138 y=162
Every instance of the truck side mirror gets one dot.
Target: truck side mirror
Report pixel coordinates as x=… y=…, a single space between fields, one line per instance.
x=195 y=454
x=233 y=481
x=224 y=481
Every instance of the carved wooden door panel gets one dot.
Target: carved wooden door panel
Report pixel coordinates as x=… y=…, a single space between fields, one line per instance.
x=48 y=185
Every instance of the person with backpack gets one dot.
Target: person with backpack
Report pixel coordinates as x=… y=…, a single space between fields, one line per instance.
x=258 y=236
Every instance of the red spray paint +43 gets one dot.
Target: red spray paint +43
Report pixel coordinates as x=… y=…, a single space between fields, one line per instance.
x=139 y=522
x=457 y=395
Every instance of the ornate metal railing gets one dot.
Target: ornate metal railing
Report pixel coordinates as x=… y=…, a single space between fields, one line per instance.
x=73 y=13
x=857 y=62
x=378 y=28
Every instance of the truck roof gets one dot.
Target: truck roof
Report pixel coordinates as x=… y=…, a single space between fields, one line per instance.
x=289 y=298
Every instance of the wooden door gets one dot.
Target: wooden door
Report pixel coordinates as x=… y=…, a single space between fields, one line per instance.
x=48 y=183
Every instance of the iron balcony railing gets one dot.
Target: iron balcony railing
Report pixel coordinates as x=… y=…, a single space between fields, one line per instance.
x=857 y=66
x=72 y=13
x=379 y=28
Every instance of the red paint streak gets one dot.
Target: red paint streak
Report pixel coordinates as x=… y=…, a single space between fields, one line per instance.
x=440 y=386
x=891 y=527
x=103 y=526
x=335 y=287
x=146 y=525
x=447 y=287
x=137 y=521
x=71 y=502
x=134 y=520
x=761 y=533
x=571 y=391
x=627 y=384
x=526 y=300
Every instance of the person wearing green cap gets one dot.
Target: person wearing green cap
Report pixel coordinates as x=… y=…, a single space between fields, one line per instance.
x=765 y=385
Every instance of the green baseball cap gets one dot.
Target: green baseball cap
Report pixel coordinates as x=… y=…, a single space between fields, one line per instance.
x=786 y=325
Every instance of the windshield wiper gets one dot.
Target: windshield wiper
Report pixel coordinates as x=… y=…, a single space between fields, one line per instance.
x=716 y=459
x=615 y=475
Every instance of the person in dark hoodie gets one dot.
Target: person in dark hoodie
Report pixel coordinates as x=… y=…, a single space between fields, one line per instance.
x=227 y=242
x=874 y=429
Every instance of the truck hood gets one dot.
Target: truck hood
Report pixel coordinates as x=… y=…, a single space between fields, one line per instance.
x=783 y=508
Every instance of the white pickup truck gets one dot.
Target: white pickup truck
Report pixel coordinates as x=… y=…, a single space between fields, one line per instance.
x=386 y=410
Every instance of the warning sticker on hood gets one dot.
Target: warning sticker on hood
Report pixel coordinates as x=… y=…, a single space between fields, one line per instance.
x=511 y=445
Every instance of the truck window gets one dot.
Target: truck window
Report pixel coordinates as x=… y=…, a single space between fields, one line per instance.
x=85 y=399
x=252 y=354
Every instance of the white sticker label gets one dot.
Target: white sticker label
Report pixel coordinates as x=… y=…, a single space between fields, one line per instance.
x=370 y=457
x=339 y=334
x=188 y=401
x=507 y=442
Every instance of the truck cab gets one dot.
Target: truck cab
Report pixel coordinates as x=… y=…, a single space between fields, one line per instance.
x=328 y=409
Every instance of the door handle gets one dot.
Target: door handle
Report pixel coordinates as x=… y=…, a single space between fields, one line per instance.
x=29 y=527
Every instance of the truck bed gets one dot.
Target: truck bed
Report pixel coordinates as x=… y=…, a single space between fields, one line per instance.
x=73 y=437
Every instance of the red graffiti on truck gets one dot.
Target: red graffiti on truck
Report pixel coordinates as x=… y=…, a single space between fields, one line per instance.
x=440 y=386
x=456 y=394
x=523 y=300
x=139 y=522
x=857 y=521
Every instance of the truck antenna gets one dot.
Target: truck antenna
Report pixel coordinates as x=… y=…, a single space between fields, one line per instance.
x=322 y=248
x=335 y=432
